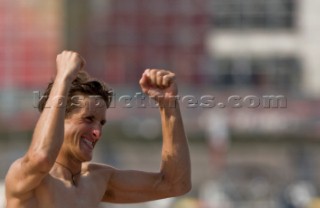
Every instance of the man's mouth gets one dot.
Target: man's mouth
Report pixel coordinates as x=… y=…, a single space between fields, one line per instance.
x=89 y=143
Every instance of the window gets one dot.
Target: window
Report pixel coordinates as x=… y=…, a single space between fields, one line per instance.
x=253 y=14
x=280 y=73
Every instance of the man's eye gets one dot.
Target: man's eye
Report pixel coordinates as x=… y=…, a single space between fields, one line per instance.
x=89 y=119
x=102 y=123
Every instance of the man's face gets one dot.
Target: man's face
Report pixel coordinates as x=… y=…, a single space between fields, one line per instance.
x=83 y=128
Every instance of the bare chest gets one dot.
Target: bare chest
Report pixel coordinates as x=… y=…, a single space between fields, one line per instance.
x=57 y=193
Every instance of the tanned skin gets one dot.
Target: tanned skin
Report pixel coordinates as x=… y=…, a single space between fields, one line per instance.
x=56 y=171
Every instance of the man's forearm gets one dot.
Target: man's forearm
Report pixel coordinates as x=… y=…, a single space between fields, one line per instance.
x=49 y=131
x=175 y=152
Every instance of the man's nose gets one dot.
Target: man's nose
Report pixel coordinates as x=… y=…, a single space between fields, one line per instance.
x=96 y=133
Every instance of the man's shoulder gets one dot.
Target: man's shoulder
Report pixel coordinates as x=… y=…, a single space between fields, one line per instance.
x=92 y=167
x=13 y=183
x=12 y=172
x=98 y=172
x=15 y=164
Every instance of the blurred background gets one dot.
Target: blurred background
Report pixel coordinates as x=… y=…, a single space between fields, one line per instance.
x=261 y=154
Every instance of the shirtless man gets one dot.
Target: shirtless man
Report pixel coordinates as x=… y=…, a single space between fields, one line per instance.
x=56 y=172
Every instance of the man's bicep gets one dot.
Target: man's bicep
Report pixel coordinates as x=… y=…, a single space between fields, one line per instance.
x=22 y=178
x=135 y=186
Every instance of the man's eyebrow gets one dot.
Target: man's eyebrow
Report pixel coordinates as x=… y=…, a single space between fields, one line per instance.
x=88 y=116
x=103 y=121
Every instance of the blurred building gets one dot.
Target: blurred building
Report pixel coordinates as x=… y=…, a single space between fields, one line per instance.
x=123 y=38
x=213 y=45
x=267 y=47
x=237 y=44
x=266 y=44
x=30 y=38
x=216 y=47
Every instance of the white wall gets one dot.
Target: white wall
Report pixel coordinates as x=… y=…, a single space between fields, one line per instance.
x=2 y=198
x=309 y=33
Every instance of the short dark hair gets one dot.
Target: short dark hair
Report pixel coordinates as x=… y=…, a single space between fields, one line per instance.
x=84 y=85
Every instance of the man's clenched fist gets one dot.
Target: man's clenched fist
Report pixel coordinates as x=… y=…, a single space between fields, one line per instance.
x=159 y=84
x=69 y=63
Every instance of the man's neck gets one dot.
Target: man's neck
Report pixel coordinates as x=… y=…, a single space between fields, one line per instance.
x=67 y=169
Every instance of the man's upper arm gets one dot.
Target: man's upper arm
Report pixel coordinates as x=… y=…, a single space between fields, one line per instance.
x=130 y=186
x=24 y=176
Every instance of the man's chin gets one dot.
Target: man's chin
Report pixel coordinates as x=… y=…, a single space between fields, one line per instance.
x=86 y=155
x=85 y=158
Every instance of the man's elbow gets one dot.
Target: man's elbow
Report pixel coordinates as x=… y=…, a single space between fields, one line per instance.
x=182 y=188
